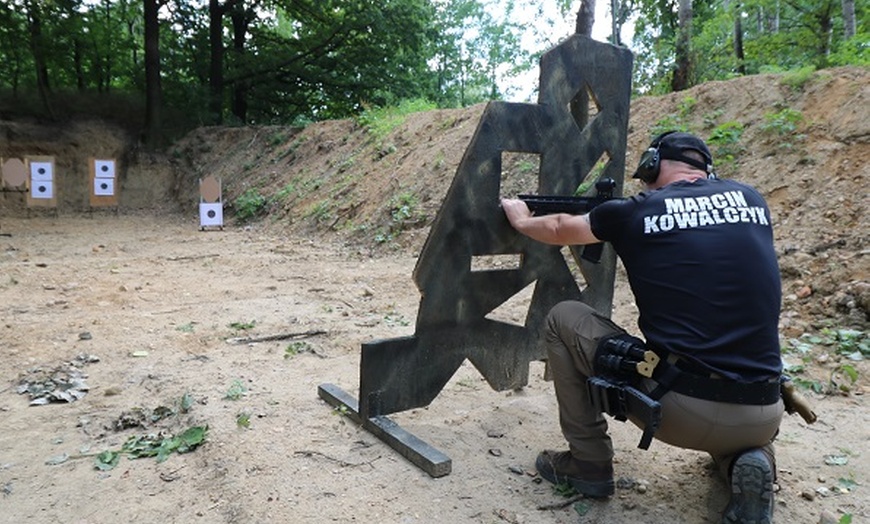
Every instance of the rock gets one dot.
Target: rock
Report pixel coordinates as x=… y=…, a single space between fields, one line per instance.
x=827 y=517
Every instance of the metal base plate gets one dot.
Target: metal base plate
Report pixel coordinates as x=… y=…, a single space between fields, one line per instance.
x=421 y=454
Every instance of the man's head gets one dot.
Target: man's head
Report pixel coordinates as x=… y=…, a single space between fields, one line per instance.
x=674 y=145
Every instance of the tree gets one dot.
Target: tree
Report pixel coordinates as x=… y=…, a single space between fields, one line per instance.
x=848 y=19
x=682 y=50
x=153 y=89
x=37 y=43
x=738 y=40
x=14 y=59
x=585 y=18
x=216 y=11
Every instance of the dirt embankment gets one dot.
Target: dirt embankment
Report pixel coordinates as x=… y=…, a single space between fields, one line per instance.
x=805 y=144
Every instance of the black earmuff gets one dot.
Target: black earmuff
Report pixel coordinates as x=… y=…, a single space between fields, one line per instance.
x=651 y=160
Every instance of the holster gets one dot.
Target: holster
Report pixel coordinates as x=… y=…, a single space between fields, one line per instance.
x=621 y=401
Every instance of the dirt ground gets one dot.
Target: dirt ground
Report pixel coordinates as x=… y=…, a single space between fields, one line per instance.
x=158 y=299
x=149 y=309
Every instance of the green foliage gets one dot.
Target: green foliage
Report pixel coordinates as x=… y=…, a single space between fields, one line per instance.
x=310 y=60
x=277 y=138
x=243 y=420
x=798 y=78
x=242 y=326
x=783 y=122
x=849 y=344
x=185 y=328
x=250 y=204
x=852 y=52
x=686 y=106
x=294 y=348
x=160 y=446
x=186 y=402
x=669 y=123
x=236 y=391
x=284 y=193
x=776 y=36
x=680 y=121
x=590 y=180
x=404 y=213
x=107 y=460
x=725 y=142
x=321 y=211
x=381 y=121
x=404 y=208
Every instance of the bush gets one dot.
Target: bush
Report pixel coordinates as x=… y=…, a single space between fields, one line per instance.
x=249 y=204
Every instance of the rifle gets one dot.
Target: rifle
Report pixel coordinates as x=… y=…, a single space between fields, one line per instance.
x=574 y=205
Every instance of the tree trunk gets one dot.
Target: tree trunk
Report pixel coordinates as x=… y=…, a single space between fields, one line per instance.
x=738 y=42
x=682 y=56
x=615 y=22
x=826 y=35
x=77 y=64
x=153 y=90
x=216 y=64
x=585 y=18
x=241 y=19
x=42 y=86
x=848 y=19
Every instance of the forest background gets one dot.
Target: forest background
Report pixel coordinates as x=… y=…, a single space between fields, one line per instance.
x=163 y=67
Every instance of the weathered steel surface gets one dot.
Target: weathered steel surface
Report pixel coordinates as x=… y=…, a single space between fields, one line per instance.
x=452 y=324
x=405 y=373
x=421 y=454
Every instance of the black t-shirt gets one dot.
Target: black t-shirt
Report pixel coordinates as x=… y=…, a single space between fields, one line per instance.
x=703 y=270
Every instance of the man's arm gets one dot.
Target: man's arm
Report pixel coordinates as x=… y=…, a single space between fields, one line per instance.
x=559 y=229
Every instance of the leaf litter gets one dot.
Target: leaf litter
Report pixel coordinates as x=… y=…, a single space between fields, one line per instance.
x=63 y=383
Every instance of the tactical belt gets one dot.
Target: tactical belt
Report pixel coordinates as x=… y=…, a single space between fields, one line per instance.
x=671 y=377
x=628 y=358
x=622 y=361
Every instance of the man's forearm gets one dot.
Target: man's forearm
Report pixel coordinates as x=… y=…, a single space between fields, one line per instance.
x=560 y=229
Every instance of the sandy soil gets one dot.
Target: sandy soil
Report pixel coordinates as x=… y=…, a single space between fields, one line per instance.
x=155 y=300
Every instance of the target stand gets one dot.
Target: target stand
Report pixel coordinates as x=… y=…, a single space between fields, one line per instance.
x=41 y=183
x=579 y=122
x=211 y=204
x=13 y=178
x=104 y=186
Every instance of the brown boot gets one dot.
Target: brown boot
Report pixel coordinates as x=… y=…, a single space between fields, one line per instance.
x=593 y=479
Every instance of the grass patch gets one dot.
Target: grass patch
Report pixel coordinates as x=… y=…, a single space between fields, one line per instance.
x=381 y=121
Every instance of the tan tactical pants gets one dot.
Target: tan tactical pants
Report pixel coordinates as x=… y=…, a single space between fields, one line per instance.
x=721 y=429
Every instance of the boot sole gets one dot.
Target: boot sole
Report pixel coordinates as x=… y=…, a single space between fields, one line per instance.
x=593 y=489
x=751 y=491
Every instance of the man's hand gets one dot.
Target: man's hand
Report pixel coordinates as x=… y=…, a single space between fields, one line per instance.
x=516 y=210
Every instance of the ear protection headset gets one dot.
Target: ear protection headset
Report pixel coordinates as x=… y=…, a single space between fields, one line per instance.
x=651 y=160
